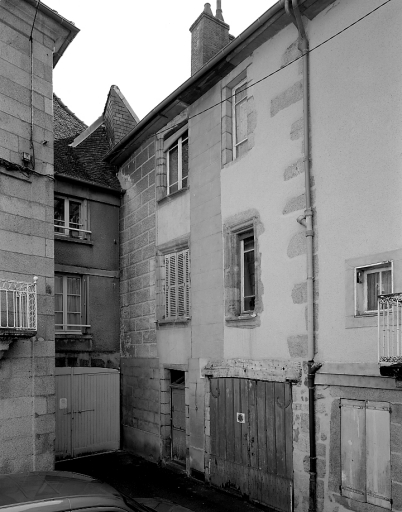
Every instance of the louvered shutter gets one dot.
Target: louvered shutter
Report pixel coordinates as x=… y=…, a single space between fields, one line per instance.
x=353 y=449
x=181 y=284
x=187 y=279
x=170 y=286
x=378 y=454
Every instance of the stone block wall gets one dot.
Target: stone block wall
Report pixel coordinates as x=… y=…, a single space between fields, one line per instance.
x=139 y=363
x=140 y=399
x=137 y=254
x=27 y=402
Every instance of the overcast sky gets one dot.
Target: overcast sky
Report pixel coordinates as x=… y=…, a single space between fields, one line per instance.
x=142 y=46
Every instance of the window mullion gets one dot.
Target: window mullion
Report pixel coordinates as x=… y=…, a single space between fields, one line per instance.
x=180 y=162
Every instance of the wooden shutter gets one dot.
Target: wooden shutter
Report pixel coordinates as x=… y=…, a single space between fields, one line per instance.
x=378 y=454
x=353 y=449
x=170 y=285
x=183 y=283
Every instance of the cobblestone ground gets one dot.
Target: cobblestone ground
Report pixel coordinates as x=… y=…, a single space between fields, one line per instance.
x=156 y=487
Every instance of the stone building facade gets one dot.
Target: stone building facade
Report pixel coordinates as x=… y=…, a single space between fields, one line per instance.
x=218 y=373
x=33 y=38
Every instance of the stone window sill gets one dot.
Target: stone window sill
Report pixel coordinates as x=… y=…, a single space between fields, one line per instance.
x=245 y=320
x=170 y=197
x=62 y=238
x=174 y=321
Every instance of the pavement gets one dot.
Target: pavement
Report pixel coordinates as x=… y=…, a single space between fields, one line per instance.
x=153 y=487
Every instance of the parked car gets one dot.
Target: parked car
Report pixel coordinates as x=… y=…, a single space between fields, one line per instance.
x=60 y=491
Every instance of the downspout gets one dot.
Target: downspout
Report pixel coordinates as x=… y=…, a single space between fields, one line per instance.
x=306 y=220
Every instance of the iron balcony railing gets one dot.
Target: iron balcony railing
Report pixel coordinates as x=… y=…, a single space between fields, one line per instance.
x=390 y=328
x=18 y=305
x=71 y=229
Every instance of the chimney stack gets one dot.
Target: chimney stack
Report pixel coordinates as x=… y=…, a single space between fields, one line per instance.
x=209 y=34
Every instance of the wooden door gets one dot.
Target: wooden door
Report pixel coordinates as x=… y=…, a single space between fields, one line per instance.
x=251 y=439
x=178 y=424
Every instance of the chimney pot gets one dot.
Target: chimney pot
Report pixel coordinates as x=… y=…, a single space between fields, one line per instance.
x=219 y=14
x=207 y=9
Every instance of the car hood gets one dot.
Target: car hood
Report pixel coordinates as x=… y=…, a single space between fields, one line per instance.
x=38 y=486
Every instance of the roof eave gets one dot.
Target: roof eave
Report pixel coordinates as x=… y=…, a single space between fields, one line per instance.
x=264 y=28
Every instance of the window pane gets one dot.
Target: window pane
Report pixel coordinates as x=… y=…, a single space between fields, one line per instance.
x=241 y=121
x=74 y=217
x=386 y=285
x=184 y=160
x=74 y=285
x=372 y=290
x=241 y=93
x=249 y=274
x=58 y=214
x=173 y=156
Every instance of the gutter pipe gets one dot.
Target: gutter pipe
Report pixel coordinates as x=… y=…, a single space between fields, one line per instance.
x=306 y=220
x=174 y=96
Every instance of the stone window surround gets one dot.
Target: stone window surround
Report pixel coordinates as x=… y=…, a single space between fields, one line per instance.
x=164 y=139
x=176 y=245
x=353 y=320
x=232 y=80
x=232 y=230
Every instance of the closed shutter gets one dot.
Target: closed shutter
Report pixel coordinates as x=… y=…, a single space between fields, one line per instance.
x=171 y=285
x=353 y=449
x=177 y=284
x=378 y=454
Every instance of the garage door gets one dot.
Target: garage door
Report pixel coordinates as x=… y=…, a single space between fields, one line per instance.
x=251 y=439
x=87 y=411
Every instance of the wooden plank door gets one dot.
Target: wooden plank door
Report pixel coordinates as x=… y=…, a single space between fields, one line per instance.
x=178 y=424
x=251 y=439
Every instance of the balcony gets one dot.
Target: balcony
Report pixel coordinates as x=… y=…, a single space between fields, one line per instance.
x=390 y=332
x=18 y=311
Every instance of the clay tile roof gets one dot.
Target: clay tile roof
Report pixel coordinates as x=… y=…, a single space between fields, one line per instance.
x=85 y=160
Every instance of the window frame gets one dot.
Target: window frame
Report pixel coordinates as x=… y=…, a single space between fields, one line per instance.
x=66 y=229
x=244 y=235
x=361 y=288
x=179 y=138
x=235 y=142
x=84 y=296
x=236 y=230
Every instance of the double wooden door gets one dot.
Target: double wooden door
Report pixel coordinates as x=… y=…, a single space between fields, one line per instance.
x=251 y=439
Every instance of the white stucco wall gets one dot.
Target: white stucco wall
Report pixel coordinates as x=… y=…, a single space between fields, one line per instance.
x=256 y=181
x=356 y=106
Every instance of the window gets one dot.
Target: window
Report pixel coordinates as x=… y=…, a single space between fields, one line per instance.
x=239 y=118
x=70 y=310
x=70 y=217
x=243 y=299
x=177 y=164
x=371 y=281
x=177 y=285
x=247 y=274
x=366 y=452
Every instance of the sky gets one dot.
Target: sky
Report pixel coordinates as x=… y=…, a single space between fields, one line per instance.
x=142 y=46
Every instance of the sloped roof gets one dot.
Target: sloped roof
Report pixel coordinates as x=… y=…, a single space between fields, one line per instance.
x=66 y=123
x=84 y=161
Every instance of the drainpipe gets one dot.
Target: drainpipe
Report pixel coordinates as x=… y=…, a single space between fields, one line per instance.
x=306 y=220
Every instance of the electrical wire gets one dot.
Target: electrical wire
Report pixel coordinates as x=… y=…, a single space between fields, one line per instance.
x=279 y=69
